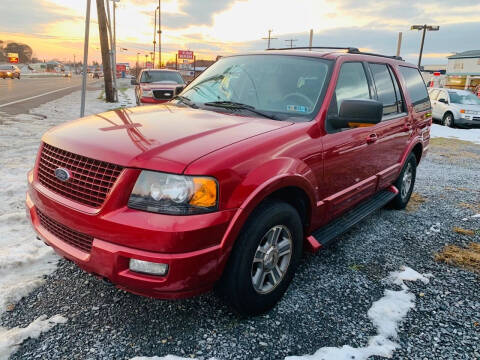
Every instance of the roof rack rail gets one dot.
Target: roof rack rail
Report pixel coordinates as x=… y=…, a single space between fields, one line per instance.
x=350 y=50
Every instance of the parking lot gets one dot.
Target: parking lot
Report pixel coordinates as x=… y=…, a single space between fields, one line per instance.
x=326 y=306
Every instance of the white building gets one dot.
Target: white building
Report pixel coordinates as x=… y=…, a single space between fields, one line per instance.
x=463 y=70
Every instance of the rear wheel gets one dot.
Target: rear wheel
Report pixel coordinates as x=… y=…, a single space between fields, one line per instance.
x=264 y=259
x=448 y=120
x=405 y=183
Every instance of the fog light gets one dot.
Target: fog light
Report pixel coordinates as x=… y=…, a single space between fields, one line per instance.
x=147 y=267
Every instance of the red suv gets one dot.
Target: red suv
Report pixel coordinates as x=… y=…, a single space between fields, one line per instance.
x=262 y=156
x=157 y=86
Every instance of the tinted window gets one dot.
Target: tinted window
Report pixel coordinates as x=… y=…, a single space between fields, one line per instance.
x=351 y=84
x=385 y=89
x=398 y=93
x=416 y=88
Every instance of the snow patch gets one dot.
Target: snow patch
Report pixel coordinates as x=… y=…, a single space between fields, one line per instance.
x=11 y=339
x=386 y=314
x=438 y=131
x=24 y=261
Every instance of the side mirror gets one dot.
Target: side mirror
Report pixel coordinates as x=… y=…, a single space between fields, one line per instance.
x=443 y=101
x=357 y=112
x=134 y=82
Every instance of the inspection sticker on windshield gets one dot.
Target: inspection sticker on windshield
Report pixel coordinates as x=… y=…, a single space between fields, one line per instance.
x=297 y=108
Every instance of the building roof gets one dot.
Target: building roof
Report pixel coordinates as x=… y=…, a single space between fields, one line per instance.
x=466 y=54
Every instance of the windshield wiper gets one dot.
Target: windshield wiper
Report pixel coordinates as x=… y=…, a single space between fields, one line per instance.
x=239 y=106
x=185 y=100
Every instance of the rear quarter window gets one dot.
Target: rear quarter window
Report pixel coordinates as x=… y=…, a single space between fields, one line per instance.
x=416 y=88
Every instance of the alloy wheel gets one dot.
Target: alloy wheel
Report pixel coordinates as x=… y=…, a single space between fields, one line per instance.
x=271 y=260
x=407 y=181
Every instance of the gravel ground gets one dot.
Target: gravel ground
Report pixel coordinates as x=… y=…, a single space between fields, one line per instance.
x=326 y=305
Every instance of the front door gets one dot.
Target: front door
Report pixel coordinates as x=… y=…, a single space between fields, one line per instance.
x=350 y=163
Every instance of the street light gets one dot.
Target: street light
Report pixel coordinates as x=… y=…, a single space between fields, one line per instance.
x=424 y=28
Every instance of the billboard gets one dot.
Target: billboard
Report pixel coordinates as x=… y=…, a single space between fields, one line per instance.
x=12 y=58
x=185 y=54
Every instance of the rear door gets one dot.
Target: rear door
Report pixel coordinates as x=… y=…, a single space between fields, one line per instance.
x=395 y=128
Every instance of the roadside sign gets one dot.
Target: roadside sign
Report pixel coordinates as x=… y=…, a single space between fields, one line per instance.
x=12 y=58
x=149 y=65
x=185 y=54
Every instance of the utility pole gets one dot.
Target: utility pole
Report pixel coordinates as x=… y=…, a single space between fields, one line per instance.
x=311 y=39
x=291 y=42
x=146 y=56
x=85 y=60
x=269 y=38
x=112 y=46
x=107 y=68
x=154 y=36
x=399 y=43
x=159 y=34
x=136 y=68
x=424 y=28
x=74 y=65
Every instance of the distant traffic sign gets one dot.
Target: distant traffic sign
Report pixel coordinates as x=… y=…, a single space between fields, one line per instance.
x=185 y=54
x=12 y=58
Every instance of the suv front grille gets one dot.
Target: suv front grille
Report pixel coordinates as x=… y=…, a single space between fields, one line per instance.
x=76 y=239
x=163 y=94
x=90 y=180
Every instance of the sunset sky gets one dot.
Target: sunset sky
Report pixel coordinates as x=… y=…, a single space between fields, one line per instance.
x=55 y=28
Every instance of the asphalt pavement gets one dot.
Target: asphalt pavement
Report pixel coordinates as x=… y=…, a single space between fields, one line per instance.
x=19 y=96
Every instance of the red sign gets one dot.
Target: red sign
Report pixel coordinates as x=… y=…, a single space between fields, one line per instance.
x=436 y=73
x=149 y=65
x=12 y=58
x=185 y=54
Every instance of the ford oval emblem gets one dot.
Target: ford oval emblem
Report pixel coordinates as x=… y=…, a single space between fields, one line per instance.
x=62 y=174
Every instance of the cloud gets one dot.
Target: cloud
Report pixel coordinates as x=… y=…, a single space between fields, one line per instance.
x=30 y=16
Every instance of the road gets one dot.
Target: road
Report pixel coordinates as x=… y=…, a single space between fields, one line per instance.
x=19 y=96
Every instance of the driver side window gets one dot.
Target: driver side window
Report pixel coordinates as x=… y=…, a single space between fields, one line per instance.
x=351 y=84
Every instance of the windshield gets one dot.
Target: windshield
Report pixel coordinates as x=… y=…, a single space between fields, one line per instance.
x=279 y=84
x=5 y=67
x=464 y=98
x=161 y=76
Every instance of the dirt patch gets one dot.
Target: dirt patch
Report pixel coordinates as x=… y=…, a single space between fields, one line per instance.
x=474 y=207
x=453 y=149
x=463 y=231
x=415 y=201
x=468 y=258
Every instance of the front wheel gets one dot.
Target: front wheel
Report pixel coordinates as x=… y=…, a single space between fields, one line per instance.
x=264 y=259
x=405 y=183
x=448 y=120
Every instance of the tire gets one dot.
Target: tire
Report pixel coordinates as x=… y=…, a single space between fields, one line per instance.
x=405 y=186
x=237 y=283
x=448 y=120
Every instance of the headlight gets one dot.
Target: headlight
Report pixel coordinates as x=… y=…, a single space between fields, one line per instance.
x=174 y=194
x=472 y=112
x=147 y=93
x=9 y=73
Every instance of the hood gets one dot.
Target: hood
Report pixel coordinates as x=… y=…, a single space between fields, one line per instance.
x=161 y=137
x=466 y=107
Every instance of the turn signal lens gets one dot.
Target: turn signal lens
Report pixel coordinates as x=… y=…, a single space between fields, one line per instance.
x=462 y=111
x=205 y=192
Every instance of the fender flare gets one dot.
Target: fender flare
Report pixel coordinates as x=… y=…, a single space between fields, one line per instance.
x=252 y=201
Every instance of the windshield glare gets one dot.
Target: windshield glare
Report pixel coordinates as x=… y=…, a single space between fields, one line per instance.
x=290 y=85
x=463 y=98
x=161 y=76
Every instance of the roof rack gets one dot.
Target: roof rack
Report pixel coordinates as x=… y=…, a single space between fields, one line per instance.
x=350 y=50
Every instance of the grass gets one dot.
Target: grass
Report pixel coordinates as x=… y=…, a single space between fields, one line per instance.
x=454 y=149
x=463 y=231
x=467 y=258
x=415 y=201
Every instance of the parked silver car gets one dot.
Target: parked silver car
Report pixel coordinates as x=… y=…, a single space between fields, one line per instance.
x=455 y=107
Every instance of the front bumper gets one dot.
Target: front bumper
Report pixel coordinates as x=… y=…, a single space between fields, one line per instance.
x=190 y=272
x=152 y=100
x=468 y=121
